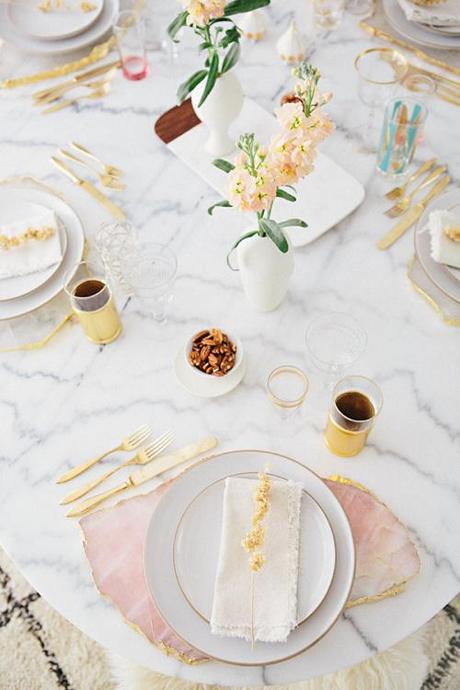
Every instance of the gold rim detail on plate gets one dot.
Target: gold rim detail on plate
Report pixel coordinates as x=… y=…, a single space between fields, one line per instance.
x=218 y=481
x=301 y=651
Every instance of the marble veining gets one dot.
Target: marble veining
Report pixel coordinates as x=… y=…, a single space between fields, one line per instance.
x=72 y=399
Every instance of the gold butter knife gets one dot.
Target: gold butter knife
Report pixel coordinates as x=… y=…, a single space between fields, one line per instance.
x=152 y=469
x=50 y=94
x=412 y=215
x=115 y=210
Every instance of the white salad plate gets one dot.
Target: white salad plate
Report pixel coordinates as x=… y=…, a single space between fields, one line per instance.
x=327 y=181
x=414 y=32
x=159 y=559
x=94 y=33
x=195 y=560
x=59 y=23
x=11 y=288
x=446 y=278
x=20 y=195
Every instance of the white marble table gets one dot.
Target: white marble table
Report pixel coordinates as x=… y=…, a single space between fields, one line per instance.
x=64 y=403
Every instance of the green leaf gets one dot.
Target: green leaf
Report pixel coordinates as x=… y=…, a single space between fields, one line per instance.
x=176 y=25
x=275 y=233
x=212 y=76
x=246 y=236
x=240 y=6
x=231 y=35
x=293 y=222
x=285 y=195
x=187 y=87
x=231 y=57
x=205 y=45
x=223 y=204
x=224 y=165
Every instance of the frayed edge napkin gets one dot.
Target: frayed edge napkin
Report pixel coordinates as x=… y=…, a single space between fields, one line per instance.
x=275 y=585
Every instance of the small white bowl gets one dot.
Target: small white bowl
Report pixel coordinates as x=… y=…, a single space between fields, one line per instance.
x=234 y=375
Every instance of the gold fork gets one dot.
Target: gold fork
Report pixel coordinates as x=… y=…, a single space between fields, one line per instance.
x=107 y=180
x=99 y=92
x=398 y=192
x=142 y=457
x=109 y=169
x=131 y=442
x=402 y=206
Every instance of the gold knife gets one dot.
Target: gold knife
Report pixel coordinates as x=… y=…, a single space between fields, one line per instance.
x=152 y=469
x=115 y=210
x=45 y=95
x=412 y=215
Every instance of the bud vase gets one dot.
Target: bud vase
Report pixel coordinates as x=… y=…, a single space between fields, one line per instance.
x=265 y=271
x=220 y=109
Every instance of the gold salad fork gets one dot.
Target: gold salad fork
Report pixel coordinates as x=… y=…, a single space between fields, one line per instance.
x=97 y=91
x=398 y=192
x=142 y=457
x=107 y=180
x=129 y=443
x=109 y=169
x=401 y=206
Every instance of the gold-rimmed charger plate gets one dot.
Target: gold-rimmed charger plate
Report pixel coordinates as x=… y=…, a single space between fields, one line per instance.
x=197 y=542
x=164 y=588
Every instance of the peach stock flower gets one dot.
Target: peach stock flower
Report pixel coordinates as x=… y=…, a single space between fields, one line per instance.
x=202 y=11
x=250 y=192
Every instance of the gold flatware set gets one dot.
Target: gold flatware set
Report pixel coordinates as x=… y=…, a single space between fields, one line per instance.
x=109 y=176
x=403 y=204
x=148 y=455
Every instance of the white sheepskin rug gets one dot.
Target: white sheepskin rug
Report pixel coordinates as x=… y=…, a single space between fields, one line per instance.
x=402 y=667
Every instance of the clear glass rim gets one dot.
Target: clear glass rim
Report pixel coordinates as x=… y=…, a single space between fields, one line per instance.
x=356 y=328
x=126 y=15
x=287 y=369
x=71 y=280
x=366 y=379
x=400 y=61
x=419 y=78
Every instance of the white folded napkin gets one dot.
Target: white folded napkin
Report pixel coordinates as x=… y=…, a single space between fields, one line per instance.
x=445 y=14
x=33 y=255
x=275 y=585
x=443 y=249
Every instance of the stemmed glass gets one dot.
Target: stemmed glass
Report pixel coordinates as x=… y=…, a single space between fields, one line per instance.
x=150 y=271
x=334 y=342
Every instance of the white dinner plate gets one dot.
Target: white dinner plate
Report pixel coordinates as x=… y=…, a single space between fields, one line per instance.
x=414 y=32
x=443 y=30
x=195 y=559
x=159 y=559
x=14 y=193
x=444 y=277
x=56 y=24
x=11 y=288
x=96 y=32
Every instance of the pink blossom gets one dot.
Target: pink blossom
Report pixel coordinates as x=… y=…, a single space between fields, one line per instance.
x=202 y=11
x=251 y=192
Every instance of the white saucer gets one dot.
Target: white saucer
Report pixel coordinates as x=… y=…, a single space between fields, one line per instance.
x=204 y=388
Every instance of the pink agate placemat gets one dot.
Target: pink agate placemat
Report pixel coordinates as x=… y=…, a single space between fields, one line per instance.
x=386 y=558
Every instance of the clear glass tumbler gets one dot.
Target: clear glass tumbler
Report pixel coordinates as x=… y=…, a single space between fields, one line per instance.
x=334 y=342
x=287 y=387
x=328 y=14
x=150 y=272
x=93 y=303
x=114 y=241
x=129 y=31
x=356 y=402
x=402 y=126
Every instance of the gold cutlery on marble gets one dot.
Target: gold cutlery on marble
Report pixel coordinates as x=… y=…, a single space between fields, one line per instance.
x=109 y=181
x=99 y=90
x=127 y=444
x=142 y=457
x=153 y=469
x=49 y=94
x=401 y=206
x=412 y=215
x=115 y=210
x=109 y=169
x=398 y=192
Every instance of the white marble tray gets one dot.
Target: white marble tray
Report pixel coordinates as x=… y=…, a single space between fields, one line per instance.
x=325 y=197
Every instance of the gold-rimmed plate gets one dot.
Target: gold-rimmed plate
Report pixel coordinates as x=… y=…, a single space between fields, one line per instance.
x=195 y=559
x=164 y=587
x=446 y=278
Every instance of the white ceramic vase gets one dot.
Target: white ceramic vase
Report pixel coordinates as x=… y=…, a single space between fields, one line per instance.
x=220 y=109
x=264 y=271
